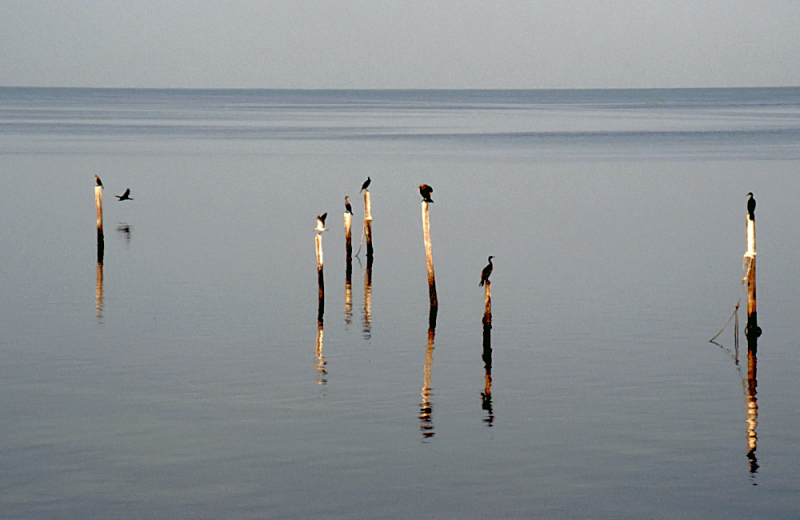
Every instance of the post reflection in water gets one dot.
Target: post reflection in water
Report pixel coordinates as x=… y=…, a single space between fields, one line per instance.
x=486 y=395
x=320 y=364
x=751 y=405
x=749 y=384
x=98 y=290
x=426 y=408
x=368 y=301
x=322 y=373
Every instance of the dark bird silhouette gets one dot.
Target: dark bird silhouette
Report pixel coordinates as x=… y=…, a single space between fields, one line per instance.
x=125 y=196
x=487 y=271
x=347 y=207
x=751 y=206
x=426 y=191
x=366 y=184
x=98 y=182
x=321 y=223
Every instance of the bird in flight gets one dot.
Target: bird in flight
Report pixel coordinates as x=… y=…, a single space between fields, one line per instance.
x=321 y=223
x=347 y=207
x=125 y=196
x=366 y=184
x=751 y=206
x=98 y=182
x=426 y=191
x=487 y=271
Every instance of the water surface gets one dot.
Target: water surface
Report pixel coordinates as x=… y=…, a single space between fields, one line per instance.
x=190 y=378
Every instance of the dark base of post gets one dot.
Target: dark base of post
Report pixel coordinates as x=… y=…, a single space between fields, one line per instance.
x=101 y=246
x=432 y=314
x=321 y=306
x=752 y=331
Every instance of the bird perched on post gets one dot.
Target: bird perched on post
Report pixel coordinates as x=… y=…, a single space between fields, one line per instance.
x=751 y=206
x=366 y=184
x=426 y=191
x=321 y=223
x=347 y=207
x=98 y=182
x=125 y=196
x=487 y=271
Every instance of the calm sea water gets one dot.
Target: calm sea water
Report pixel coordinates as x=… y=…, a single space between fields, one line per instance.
x=188 y=375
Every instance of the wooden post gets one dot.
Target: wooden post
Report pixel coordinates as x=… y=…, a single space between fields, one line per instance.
x=348 y=245
x=426 y=231
x=368 y=226
x=752 y=330
x=487 y=303
x=98 y=202
x=320 y=278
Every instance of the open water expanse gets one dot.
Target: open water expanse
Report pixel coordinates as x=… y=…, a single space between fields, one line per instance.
x=188 y=376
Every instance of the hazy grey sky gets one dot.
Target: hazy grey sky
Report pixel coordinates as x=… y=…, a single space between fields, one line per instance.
x=399 y=43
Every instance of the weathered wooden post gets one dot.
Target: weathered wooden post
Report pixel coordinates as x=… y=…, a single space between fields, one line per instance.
x=426 y=231
x=368 y=226
x=487 y=304
x=348 y=245
x=752 y=330
x=320 y=277
x=320 y=263
x=98 y=203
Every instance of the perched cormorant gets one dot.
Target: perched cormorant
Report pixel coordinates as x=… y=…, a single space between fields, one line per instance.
x=426 y=191
x=751 y=206
x=98 y=182
x=347 y=207
x=125 y=196
x=366 y=184
x=321 y=223
x=487 y=271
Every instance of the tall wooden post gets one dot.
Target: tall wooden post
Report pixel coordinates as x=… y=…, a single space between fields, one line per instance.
x=320 y=278
x=98 y=203
x=487 y=304
x=752 y=330
x=348 y=244
x=426 y=231
x=368 y=226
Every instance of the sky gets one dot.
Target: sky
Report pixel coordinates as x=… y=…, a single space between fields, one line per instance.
x=399 y=44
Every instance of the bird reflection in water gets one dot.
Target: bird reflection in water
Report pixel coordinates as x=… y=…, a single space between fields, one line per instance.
x=124 y=231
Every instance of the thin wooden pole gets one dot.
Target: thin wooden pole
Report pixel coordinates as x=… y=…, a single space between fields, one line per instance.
x=368 y=226
x=752 y=330
x=98 y=203
x=348 y=244
x=487 y=303
x=426 y=231
x=320 y=278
